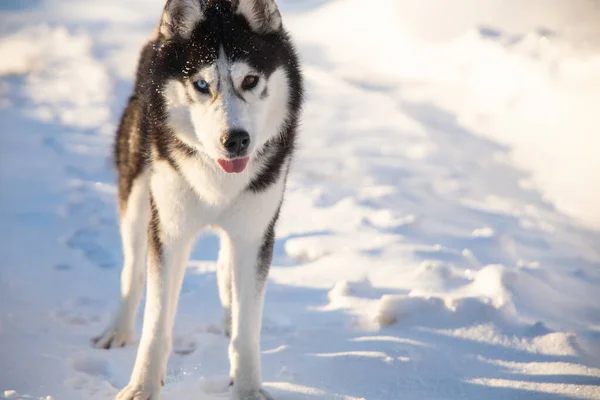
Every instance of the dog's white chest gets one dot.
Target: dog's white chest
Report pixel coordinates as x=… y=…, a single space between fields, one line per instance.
x=213 y=186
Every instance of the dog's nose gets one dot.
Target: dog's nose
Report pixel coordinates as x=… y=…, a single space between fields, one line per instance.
x=236 y=142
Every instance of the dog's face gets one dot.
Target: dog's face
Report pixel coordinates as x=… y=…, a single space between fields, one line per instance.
x=226 y=88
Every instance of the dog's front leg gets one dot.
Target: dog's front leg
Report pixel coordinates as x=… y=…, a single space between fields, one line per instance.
x=251 y=254
x=224 y=273
x=249 y=275
x=168 y=253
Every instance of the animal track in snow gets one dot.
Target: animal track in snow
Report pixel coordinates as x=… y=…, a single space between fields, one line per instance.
x=85 y=240
x=78 y=312
x=184 y=345
x=93 y=366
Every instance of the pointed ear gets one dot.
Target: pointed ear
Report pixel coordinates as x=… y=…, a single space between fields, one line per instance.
x=180 y=17
x=262 y=15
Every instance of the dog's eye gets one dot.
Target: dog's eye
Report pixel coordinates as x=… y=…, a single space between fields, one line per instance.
x=250 y=82
x=202 y=86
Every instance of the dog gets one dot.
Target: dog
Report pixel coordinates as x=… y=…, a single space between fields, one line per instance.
x=205 y=142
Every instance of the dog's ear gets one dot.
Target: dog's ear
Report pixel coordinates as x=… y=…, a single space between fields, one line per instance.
x=262 y=15
x=180 y=17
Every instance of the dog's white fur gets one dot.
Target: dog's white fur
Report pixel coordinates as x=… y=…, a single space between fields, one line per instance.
x=241 y=223
x=198 y=196
x=134 y=226
x=201 y=124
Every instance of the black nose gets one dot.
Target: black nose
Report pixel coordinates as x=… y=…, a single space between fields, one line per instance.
x=236 y=142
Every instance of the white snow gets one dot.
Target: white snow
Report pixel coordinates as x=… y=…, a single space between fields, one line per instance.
x=440 y=236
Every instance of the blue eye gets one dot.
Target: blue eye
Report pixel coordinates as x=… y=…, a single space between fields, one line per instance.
x=202 y=86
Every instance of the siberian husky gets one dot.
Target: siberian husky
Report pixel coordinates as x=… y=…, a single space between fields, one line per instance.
x=205 y=142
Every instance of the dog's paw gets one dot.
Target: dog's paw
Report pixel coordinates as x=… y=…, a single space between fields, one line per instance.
x=114 y=336
x=139 y=391
x=262 y=394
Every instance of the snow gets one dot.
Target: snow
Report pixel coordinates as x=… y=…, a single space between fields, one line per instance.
x=439 y=238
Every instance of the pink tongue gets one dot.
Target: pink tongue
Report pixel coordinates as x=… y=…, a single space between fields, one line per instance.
x=234 y=166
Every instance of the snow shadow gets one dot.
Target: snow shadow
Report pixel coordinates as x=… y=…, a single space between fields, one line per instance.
x=322 y=350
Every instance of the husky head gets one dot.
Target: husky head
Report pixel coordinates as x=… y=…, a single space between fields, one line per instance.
x=229 y=77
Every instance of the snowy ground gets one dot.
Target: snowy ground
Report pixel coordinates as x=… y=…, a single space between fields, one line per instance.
x=440 y=238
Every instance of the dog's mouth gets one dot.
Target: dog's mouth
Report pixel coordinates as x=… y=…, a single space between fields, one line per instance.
x=234 y=166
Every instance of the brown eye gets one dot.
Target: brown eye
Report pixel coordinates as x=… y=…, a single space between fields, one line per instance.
x=250 y=82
